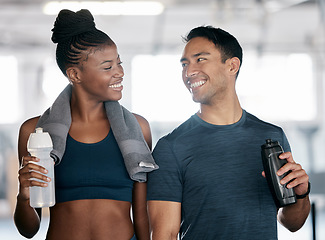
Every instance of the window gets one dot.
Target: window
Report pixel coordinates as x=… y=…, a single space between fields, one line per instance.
x=9 y=89
x=53 y=81
x=273 y=87
x=158 y=92
x=278 y=87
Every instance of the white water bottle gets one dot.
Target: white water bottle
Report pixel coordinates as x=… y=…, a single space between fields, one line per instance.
x=40 y=145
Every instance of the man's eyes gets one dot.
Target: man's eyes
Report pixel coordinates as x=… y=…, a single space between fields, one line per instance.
x=201 y=59
x=185 y=64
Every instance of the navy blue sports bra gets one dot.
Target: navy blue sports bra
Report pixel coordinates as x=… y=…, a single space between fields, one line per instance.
x=92 y=171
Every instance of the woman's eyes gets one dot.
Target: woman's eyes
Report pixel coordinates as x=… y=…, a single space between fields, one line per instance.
x=110 y=67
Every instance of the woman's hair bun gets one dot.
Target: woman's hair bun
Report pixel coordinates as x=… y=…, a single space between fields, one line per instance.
x=69 y=24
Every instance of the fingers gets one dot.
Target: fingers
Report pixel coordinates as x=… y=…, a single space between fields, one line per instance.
x=31 y=174
x=295 y=167
x=296 y=178
x=26 y=159
x=288 y=156
x=30 y=163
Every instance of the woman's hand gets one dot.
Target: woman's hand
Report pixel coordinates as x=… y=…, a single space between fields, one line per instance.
x=31 y=174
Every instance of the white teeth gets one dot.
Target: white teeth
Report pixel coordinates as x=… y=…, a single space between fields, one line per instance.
x=116 y=85
x=197 y=84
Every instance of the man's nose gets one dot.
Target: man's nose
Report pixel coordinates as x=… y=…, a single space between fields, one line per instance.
x=191 y=71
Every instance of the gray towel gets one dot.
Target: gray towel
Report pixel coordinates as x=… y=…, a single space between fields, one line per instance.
x=56 y=121
x=137 y=156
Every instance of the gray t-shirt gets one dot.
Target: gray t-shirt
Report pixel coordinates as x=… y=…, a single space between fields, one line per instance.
x=214 y=171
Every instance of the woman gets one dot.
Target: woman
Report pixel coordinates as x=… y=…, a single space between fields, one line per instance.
x=84 y=208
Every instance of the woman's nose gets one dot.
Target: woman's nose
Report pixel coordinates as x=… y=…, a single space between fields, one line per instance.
x=119 y=71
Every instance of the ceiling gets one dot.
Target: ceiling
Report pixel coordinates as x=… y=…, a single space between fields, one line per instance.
x=265 y=25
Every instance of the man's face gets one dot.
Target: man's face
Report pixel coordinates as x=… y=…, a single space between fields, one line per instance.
x=203 y=73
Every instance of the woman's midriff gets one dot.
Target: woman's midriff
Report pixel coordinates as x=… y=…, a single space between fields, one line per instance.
x=91 y=219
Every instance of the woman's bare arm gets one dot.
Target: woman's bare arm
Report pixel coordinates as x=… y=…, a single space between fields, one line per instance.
x=26 y=218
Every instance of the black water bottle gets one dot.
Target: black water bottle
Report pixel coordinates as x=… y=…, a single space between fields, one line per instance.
x=272 y=163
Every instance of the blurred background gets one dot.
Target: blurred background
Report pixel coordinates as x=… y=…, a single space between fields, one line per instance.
x=281 y=80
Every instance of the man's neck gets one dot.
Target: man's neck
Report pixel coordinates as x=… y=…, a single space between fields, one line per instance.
x=221 y=114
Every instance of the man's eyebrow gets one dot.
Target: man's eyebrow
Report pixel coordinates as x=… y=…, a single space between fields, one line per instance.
x=200 y=54
x=195 y=55
x=183 y=59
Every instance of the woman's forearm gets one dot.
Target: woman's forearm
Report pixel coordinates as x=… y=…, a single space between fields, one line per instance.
x=26 y=218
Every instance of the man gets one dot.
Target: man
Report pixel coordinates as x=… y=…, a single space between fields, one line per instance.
x=211 y=183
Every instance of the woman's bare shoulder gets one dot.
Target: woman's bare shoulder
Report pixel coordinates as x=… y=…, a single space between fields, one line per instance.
x=29 y=125
x=27 y=128
x=141 y=119
x=145 y=127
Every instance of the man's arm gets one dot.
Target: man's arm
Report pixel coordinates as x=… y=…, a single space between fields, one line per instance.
x=294 y=216
x=165 y=219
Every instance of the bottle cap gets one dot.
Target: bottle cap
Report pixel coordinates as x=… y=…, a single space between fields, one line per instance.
x=269 y=143
x=39 y=139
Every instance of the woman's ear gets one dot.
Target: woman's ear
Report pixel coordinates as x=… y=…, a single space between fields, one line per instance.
x=73 y=74
x=234 y=65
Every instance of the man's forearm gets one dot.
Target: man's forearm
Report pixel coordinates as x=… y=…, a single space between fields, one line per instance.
x=294 y=216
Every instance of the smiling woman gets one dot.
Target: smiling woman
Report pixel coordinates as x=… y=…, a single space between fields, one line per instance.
x=95 y=185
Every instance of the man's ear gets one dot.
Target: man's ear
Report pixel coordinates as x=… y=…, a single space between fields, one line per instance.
x=234 y=64
x=74 y=74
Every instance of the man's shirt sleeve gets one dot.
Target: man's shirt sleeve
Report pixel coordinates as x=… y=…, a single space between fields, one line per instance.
x=165 y=184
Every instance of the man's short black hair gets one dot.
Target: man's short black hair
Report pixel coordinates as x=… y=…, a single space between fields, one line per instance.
x=224 y=41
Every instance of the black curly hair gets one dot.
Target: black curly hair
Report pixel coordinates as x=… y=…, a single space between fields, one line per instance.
x=75 y=33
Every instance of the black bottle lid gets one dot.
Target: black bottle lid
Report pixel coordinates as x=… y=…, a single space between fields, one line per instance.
x=270 y=143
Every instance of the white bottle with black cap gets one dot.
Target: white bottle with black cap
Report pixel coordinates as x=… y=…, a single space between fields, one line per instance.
x=40 y=145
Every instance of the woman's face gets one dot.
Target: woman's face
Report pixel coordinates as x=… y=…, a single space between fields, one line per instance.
x=101 y=74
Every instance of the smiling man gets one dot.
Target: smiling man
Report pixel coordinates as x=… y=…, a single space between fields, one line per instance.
x=211 y=183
